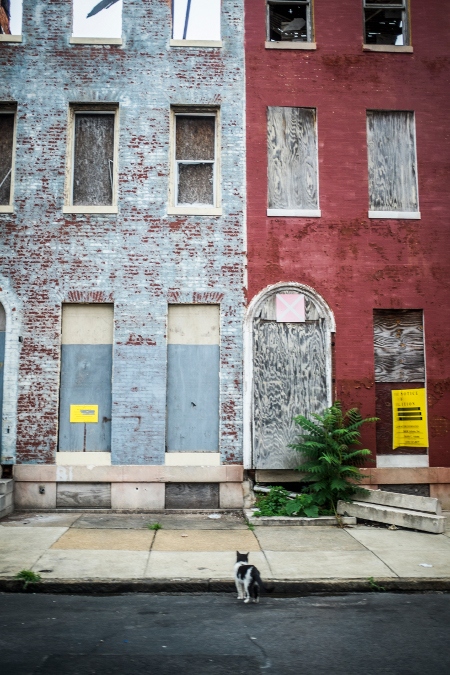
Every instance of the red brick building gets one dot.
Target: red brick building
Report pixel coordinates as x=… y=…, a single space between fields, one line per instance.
x=348 y=205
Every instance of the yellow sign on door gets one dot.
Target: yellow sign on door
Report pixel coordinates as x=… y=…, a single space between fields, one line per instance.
x=409 y=410
x=84 y=413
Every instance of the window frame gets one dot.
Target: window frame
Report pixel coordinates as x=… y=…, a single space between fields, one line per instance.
x=173 y=208
x=404 y=5
x=90 y=109
x=177 y=42
x=393 y=215
x=10 y=109
x=309 y=44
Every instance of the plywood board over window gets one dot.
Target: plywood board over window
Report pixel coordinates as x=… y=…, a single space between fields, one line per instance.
x=393 y=191
x=7 y=152
x=399 y=364
x=292 y=162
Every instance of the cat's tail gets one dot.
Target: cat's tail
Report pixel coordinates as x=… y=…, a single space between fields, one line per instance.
x=261 y=584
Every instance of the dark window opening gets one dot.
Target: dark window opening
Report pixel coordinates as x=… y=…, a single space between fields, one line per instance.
x=385 y=23
x=289 y=22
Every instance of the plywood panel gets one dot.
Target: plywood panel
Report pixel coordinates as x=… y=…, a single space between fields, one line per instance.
x=193 y=324
x=289 y=379
x=193 y=398
x=83 y=495
x=87 y=324
x=6 y=155
x=85 y=379
x=392 y=161
x=192 y=495
x=195 y=137
x=93 y=159
x=292 y=158
x=195 y=184
x=399 y=346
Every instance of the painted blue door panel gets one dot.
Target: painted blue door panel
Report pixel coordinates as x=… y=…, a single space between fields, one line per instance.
x=85 y=379
x=2 y=368
x=193 y=398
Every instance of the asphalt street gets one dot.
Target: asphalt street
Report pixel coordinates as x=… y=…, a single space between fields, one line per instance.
x=216 y=634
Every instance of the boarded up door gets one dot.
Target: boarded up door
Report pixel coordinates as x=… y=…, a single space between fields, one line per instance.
x=2 y=364
x=289 y=379
x=86 y=369
x=193 y=378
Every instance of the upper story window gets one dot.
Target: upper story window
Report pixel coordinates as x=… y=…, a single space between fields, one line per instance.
x=195 y=21
x=386 y=22
x=7 y=141
x=391 y=142
x=96 y=21
x=92 y=160
x=10 y=20
x=195 y=166
x=289 y=21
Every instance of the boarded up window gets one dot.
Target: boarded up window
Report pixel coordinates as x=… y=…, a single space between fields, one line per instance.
x=97 y=18
x=392 y=162
x=195 y=159
x=292 y=159
x=93 y=164
x=289 y=21
x=386 y=22
x=196 y=19
x=6 y=156
x=399 y=364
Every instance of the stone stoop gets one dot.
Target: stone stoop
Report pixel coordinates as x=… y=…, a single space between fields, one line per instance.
x=6 y=497
x=417 y=513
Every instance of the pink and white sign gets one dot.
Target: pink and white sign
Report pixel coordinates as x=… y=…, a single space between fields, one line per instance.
x=290 y=307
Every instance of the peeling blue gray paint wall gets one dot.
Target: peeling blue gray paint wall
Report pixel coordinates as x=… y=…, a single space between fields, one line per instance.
x=142 y=258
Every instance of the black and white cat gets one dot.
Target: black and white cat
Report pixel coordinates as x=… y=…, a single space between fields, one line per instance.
x=247 y=579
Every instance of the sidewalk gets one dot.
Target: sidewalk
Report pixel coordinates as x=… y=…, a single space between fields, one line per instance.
x=102 y=551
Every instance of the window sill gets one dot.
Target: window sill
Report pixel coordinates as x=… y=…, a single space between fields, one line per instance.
x=396 y=215
x=195 y=43
x=90 y=209
x=295 y=213
x=290 y=45
x=7 y=208
x=193 y=211
x=10 y=38
x=94 y=41
x=401 y=49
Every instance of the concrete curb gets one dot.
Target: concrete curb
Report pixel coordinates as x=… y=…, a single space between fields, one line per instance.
x=279 y=588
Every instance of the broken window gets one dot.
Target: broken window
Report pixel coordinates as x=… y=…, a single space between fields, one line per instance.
x=93 y=19
x=386 y=22
x=195 y=159
x=289 y=21
x=391 y=144
x=10 y=17
x=292 y=162
x=93 y=162
x=6 y=156
x=196 y=19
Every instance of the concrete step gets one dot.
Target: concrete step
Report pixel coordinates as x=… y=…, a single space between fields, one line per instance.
x=410 y=502
x=390 y=515
x=6 y=505
x=6 y=486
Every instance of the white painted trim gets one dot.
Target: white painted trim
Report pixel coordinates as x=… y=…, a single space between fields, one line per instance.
x=94 y=41
x=402 y=461
x=397 y=215
x=195 y=43
x=400 y=49
x=90 y=209
x=192 y=459
x=13 y=311
x=7 y=208
x=290 y=45
x=193 y=211
x=248 y=352
x=295 y=213
x=83 y=459
x=10 y=38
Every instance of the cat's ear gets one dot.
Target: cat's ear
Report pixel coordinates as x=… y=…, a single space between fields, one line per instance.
x=247 y=554
x=237 y=552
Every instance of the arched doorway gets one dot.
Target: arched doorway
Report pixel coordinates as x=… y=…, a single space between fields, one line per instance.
x=288 y=370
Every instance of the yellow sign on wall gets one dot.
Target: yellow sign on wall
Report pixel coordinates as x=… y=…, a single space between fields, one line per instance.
x=409 y=410
x=84 y=413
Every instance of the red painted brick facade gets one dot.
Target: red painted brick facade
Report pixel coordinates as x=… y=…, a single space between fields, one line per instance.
x=358 y=264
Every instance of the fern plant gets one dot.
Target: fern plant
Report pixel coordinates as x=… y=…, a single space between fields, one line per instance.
x=332 y=456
